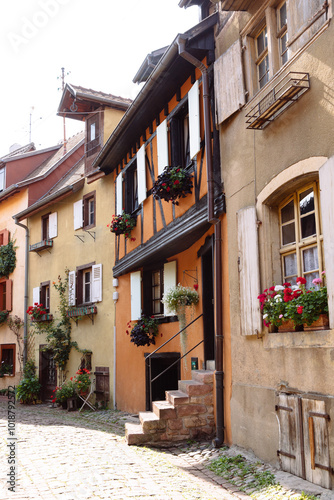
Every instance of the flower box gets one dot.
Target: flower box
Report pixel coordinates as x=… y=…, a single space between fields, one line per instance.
x=173 y=183
x=320 y=324
x=43 y=317
x=42 y=245
x=81 y=311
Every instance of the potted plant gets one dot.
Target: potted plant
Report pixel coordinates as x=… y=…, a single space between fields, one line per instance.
x=29 y=387
x=82 y=380
x=36 y=311
x=144 y=331
x=122 y=224
x=63 y=393
x=274 y=306
x=173 y=183
x=176 y=300
x=313 y=306
x=7 y=259
x=5 y=369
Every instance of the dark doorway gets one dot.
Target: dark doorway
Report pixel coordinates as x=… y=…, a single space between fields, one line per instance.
x=166 y=382
x=47 y=373
x=206 y=253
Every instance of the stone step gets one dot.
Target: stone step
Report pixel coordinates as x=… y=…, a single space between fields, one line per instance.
x=164 y=410
x=134 y=434
x=194 y=388
x=203 y=376
x=150 y=421
x=177 y=397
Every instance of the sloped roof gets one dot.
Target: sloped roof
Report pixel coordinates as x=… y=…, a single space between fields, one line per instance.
x=19 y=151
x=76 y=101
x=148 y=65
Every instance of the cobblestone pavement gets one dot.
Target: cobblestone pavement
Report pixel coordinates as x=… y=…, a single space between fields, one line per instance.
x=79 y=456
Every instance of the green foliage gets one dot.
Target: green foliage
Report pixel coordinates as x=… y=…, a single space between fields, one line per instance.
x=3 y=317
x=123 y=224
x=179 y=296
x=67 y=390
x=7 y=259
x=173 y=183
x=29 y=387
x=5 y=369
x=144 y=331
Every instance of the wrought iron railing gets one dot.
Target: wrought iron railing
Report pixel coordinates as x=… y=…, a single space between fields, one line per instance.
x=149 y=356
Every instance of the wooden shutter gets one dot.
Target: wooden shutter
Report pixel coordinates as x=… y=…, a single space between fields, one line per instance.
x=53 y=225
x=249 y=272
x=36 y=295
x=194 y=120
x=102 y=383
x=304 y=19
x=141 y=174
x=316 y=444
x=326 y=179
x=290 y=445
x=135 y=280
x=229 y=83
x=169 y=281
x=162 y=145
x=9 y=295
x=97 y=283
x=119 y=194
x=4 y=237
x=71 y=288
x=78 y=214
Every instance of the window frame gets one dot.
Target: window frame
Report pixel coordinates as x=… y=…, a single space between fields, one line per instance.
x=45 y=226
x=76 y=284
x=2 y=179
x=44 y=294
x=93 y=145
x=87 y=200
x=301 y=244
x=6 y=295
x=179 y=137
x=130 y=188
x=8 y=347
x=149 y=299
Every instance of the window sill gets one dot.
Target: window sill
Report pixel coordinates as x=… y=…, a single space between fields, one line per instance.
x=42 y=245
x=299 y=340
x=76 y=312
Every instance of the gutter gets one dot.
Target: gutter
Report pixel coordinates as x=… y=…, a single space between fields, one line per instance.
x=219 y=374
x=26 y=273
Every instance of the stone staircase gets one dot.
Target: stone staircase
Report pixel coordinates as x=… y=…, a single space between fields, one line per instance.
x=187 y=413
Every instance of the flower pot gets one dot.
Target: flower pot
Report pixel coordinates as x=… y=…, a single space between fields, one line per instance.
x=322 y=323
x=287 y=326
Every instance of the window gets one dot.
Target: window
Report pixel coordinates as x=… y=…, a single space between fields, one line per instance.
x=179 y=138
x=85 y=285
x=6 y=295
x=300 y=236
x=282 y=33
x=153 y=284
x=45 y=295
x=7 y=356
x=262 y=61
x=49 y=226
x=131 y=189
x=93 y=135
x=2 y=179
x=89 y=203
x=4 y=237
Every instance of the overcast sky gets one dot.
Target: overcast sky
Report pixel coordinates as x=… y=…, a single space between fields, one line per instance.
x=100 y=43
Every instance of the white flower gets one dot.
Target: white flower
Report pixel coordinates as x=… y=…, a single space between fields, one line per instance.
x=278 y=298
x=265 y=316
x=295 y=287
x=278 y=288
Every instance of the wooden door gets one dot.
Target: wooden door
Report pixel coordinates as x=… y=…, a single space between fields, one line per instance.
x=47 y=373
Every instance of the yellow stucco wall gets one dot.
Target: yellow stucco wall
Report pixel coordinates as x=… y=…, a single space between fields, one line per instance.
x=111 y=119
x=69 y=252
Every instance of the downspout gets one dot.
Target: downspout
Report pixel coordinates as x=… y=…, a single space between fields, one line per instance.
x=25 y=316
x=219 y=374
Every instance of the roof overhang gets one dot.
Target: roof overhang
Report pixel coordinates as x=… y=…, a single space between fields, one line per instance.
x=233 y=5
x=170 y=73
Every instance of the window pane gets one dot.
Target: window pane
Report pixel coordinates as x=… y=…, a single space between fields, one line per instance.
x=92 y=132
x=287 y=212
x=262 y=42
x=288 y=233
x=282 y=19
x=290 y=265
x=310 y=259
x=309 y=278
x=306 y=201
x=308 y=225
x=87 y=287
x=263 y=71
x=284 y=49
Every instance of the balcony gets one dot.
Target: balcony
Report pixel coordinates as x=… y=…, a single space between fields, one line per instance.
x=76 y=313
x=41 y=245
x=285 y=93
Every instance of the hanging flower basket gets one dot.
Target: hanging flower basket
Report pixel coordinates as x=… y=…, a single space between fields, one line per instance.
x=173 y=183
x=144 y=331
x=122 y=224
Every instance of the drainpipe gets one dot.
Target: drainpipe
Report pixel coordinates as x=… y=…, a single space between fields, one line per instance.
x=25 y=317
x=219 y=374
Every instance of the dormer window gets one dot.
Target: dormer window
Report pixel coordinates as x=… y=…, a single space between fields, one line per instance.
x=2 y=178
x=93 y=135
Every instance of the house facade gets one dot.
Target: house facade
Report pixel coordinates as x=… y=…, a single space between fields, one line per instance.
x=274 y=75
x=169 y=125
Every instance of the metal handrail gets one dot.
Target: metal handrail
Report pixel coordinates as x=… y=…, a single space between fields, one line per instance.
x=148 y=357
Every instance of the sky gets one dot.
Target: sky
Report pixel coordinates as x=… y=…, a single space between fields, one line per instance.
x=100 y=44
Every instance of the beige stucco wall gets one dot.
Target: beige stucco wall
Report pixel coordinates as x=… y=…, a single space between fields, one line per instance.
x=111 y=118
x=251 y=159
x=69 y=252
x=9 y=207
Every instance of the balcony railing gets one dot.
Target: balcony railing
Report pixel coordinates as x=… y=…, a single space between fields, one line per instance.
x=285 y=93
x=41 y=245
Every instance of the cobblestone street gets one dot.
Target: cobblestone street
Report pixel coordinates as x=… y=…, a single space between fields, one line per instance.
x=76 y=456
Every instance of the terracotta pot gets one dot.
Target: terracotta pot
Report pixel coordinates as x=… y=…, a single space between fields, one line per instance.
x=320 y=324
x=287 y=326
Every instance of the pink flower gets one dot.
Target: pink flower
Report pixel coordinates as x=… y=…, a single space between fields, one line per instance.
x=300 y=309
x=317 y=281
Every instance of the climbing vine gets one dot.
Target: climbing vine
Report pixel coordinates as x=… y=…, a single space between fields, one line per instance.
x=58 y=332
x=7 y=259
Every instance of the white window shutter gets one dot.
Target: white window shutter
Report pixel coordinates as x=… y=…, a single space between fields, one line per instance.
x=141 y=175
x=169 y=281
x=326 y=178
x=249 y=272
x=162 y=145
x=53 y=225
x=119 y=194
x=71 y=288
x=36 y=295
x=78 y=214
x=97 y=283
x=229 y=87
x=194 y=120
x=135 y=280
